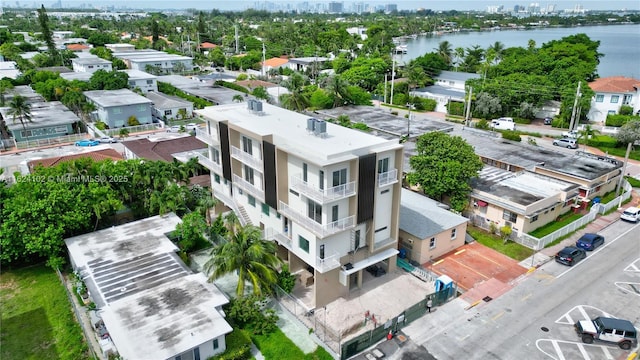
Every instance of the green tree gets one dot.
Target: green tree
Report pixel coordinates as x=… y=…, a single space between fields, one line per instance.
x=445 y=52
x=109 y=80
x=261 y=93
x=237 y=98
x=47 y=35
x=191 y=231
x=487 y=106
x=585 y=134
x=20 y=109
x=444 y=165
x=133 y=121
x=246 y=253
x=5 y=85
x=123 y=133
x=296 y=99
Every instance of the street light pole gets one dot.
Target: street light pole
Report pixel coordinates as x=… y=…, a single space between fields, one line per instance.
x=409 y=121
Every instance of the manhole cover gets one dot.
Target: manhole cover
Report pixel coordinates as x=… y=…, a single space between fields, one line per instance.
x=487 y=298
x=545 y=329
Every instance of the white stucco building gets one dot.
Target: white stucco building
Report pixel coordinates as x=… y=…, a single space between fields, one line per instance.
x=611 y=93
x=90 y=64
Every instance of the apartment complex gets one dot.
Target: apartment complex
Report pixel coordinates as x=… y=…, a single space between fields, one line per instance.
x=328 y=195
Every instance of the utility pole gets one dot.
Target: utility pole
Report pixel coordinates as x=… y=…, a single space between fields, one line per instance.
x=622 y=171
x=575 y=106
x=264 y=52
x=393 y=75
x=467 y=116
x=385 y=88
x=237 y=41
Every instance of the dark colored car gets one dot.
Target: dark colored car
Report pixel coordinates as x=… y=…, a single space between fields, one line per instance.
x=570 y=255
x=548 y=120
x=376 y=270
x=589 y=242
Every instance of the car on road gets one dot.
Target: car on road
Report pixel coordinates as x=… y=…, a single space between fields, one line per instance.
x=89 y=142
x=571 y=134
x=618 y=331
x=589 y=242
x=631 y=214
x=108 y=139
x=566 y=142
x=174 y=129
x=570 y=255
x=547 y=121
x=192 y=126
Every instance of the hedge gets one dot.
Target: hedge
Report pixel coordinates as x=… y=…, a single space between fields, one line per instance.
x=169 y=89
x=602 y=141
x=238 y=347
x=619 y=120
x=511 y=135
x=232 y=86
x=456 y=108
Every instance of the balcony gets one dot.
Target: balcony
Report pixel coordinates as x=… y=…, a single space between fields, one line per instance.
x=281 y=238
x=254 y=190
x=328 y=263
x=388 y=178
x=380 y=244
x=246 y=158
x=208 y=163
x=322 y=196
x=205 y=137
x=319 y=230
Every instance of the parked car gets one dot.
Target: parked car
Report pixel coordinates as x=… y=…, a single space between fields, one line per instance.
x=376 y=270
x=571 y=134
x=566 y=142
x=547 y=121
x=108 y=139
x=570 y=255
x=631 y=214
x=589 y=242
x=617 y=331
x=192 y=126
x=174 y=129
x=89 y=142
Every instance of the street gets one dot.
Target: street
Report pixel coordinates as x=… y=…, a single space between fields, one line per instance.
x=535 y=319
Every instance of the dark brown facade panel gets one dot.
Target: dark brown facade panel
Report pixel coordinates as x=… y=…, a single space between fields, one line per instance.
x=225 y=151
x=270 y=183
x=366 y=187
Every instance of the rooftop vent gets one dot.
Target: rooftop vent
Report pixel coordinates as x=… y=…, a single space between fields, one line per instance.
x=254 y=105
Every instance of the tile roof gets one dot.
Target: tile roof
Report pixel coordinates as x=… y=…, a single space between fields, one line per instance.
x=615 y=84
x=275 y=62
x=77 y=47
x=207 y=45
x=162 y=150
x=99 y=155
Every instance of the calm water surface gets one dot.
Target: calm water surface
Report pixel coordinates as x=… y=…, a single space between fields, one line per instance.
x=620 y=44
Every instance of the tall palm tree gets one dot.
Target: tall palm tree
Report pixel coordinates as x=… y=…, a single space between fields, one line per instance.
x=445 y=52
x=586 y=134
x=458 y=56
x=20 y=109
x=246 y=253
x=237 y=98
x=498 y=50
x=338 y=86
x=296 y=99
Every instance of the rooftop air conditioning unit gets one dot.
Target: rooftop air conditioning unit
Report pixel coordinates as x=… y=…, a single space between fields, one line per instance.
x=311 y=124
x=321 y=127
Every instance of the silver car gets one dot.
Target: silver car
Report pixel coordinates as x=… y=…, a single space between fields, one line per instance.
x=566 y=142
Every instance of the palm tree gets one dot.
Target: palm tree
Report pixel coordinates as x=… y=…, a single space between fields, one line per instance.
x=296 y=99
x=246 y=253
x=497 y=49
x=459 y=56
x=586 y=134
x=20 y=109
x=338 y=86
x=445 y=52
x=237 y=98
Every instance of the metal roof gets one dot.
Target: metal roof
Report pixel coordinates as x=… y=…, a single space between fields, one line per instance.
x=423 y=217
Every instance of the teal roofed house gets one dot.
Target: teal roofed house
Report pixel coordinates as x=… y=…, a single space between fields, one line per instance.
x=48 y=120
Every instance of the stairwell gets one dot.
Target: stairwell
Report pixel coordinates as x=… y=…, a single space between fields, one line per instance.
x=244 y=217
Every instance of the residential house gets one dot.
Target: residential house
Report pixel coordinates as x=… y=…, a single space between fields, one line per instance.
x=142 y=80
x=90 y=64
x=328 y=195
x=116 y=107
x=610 y=94
x=167 y=107
x=205 y=47
x=120 y=47
x=78 y=47
x=449 y=86
x=358 y=31
x=98 y=155
x=152 y=305
x=273 y=63
x=428 y=229
x=61 y=35
x=523 y=201
x=48 y=120
x=166 y=150
x=305 y=64
x=9 y=69
x=155 y=61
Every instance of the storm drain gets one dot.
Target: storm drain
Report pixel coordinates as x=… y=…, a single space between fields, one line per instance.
x=487 y=298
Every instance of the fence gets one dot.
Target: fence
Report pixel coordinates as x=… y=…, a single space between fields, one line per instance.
x=605 y=208
x=76 y=311
x=51 y=141
x=131 y=129
x=363 y=341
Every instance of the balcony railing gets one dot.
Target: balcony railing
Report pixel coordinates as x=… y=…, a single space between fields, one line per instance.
x=208 y=163
x=388 y=178
x=319 y=230
x=328 y=263
x=205 y=137
x=322 y=196
x=246 y=158
x=254 y=190
x=281 y=238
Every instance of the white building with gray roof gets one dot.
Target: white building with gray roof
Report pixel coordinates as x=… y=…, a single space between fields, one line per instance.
x=153 y=306
x=90 y=64
x=169 y=107
x=116 y=107
x=428 y=229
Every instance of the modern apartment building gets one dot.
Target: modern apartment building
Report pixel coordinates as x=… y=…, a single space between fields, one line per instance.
x=328 y=195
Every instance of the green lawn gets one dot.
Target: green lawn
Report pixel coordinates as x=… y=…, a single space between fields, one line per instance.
x=563 y=221
x=37 y=319
x=277 y=346
x=511 y=249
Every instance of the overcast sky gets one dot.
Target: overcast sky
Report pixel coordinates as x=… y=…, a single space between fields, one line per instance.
x=402 y=4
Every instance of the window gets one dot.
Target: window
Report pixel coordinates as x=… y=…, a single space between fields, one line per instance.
x=142 y=107
x=132 y=83
x=321 y=179
x=340 y=177
x=383 y=165
x=215 y=344
x=265 y=209
x=303 y=243
x=315 y=211
x=117 y=110
x=216 y=156
x=248 y=174
x=90 y=66
x=381 y=229
x=294 y=192
x=534 y=218
x=149 y=82
x=196 y=353
x=611 y=112
x=216 y=177
x=247 y=145
x=305 y=169
x=178 y=357
x=627 y=99
x=599 y=98
x=334 y=213
x=356 y=240
x=509 y=216
x=453 y=234
x=251 y=200
x=167 y=112
x=432 y=243
x=614 y=99
x=26 y=133
x=384 y=191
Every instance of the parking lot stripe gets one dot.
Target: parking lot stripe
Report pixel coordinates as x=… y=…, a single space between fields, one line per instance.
x=584 y=352
x=556 y=347
x=584 y=313
x=497 y=316
x=479 y=273
x=606 y=352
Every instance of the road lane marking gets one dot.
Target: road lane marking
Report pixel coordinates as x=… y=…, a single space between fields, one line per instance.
x=497 y=316
x=524 y=298
x=584 y=313
x=597 y=251
x=556 y=347
x=633 y=267
x=624 y=286
x=459 y=252
x=437 y=262
x=568 y=320
x=464 y=338
x=584 y=352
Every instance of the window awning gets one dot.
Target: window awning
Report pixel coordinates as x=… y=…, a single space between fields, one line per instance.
x=482 y=203
x=375 y=258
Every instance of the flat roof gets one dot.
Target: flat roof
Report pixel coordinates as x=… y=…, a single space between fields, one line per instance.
x=43 y=114
x=455 y=75
x=204 y=90
x=85 y=76
x=442 y=91
x=138 y=74
x=120 y=97
x=162 y=101
x=423 y=217
x=90 y=61
x=289 y=131
x=154 y=307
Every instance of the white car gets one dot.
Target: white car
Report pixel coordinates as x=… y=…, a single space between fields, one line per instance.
x=631 y=214
x=174 y=129
x=571 y=134
x=108 y=139
x=192 y=126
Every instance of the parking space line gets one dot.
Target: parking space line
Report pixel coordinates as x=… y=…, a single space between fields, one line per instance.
x=524 y=298
x=606 y=352
x=633 y=267
x=584 y=352
x=479 y=273
x=556 y=347
x=584 y=313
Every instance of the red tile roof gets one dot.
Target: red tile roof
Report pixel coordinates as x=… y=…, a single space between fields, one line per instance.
x=162 y=150
x=275 y=62
x=615 y=84
x=77 y=47
x=99 y=155
x=208 y=45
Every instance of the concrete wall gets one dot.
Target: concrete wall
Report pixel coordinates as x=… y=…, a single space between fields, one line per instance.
x=420 y=250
